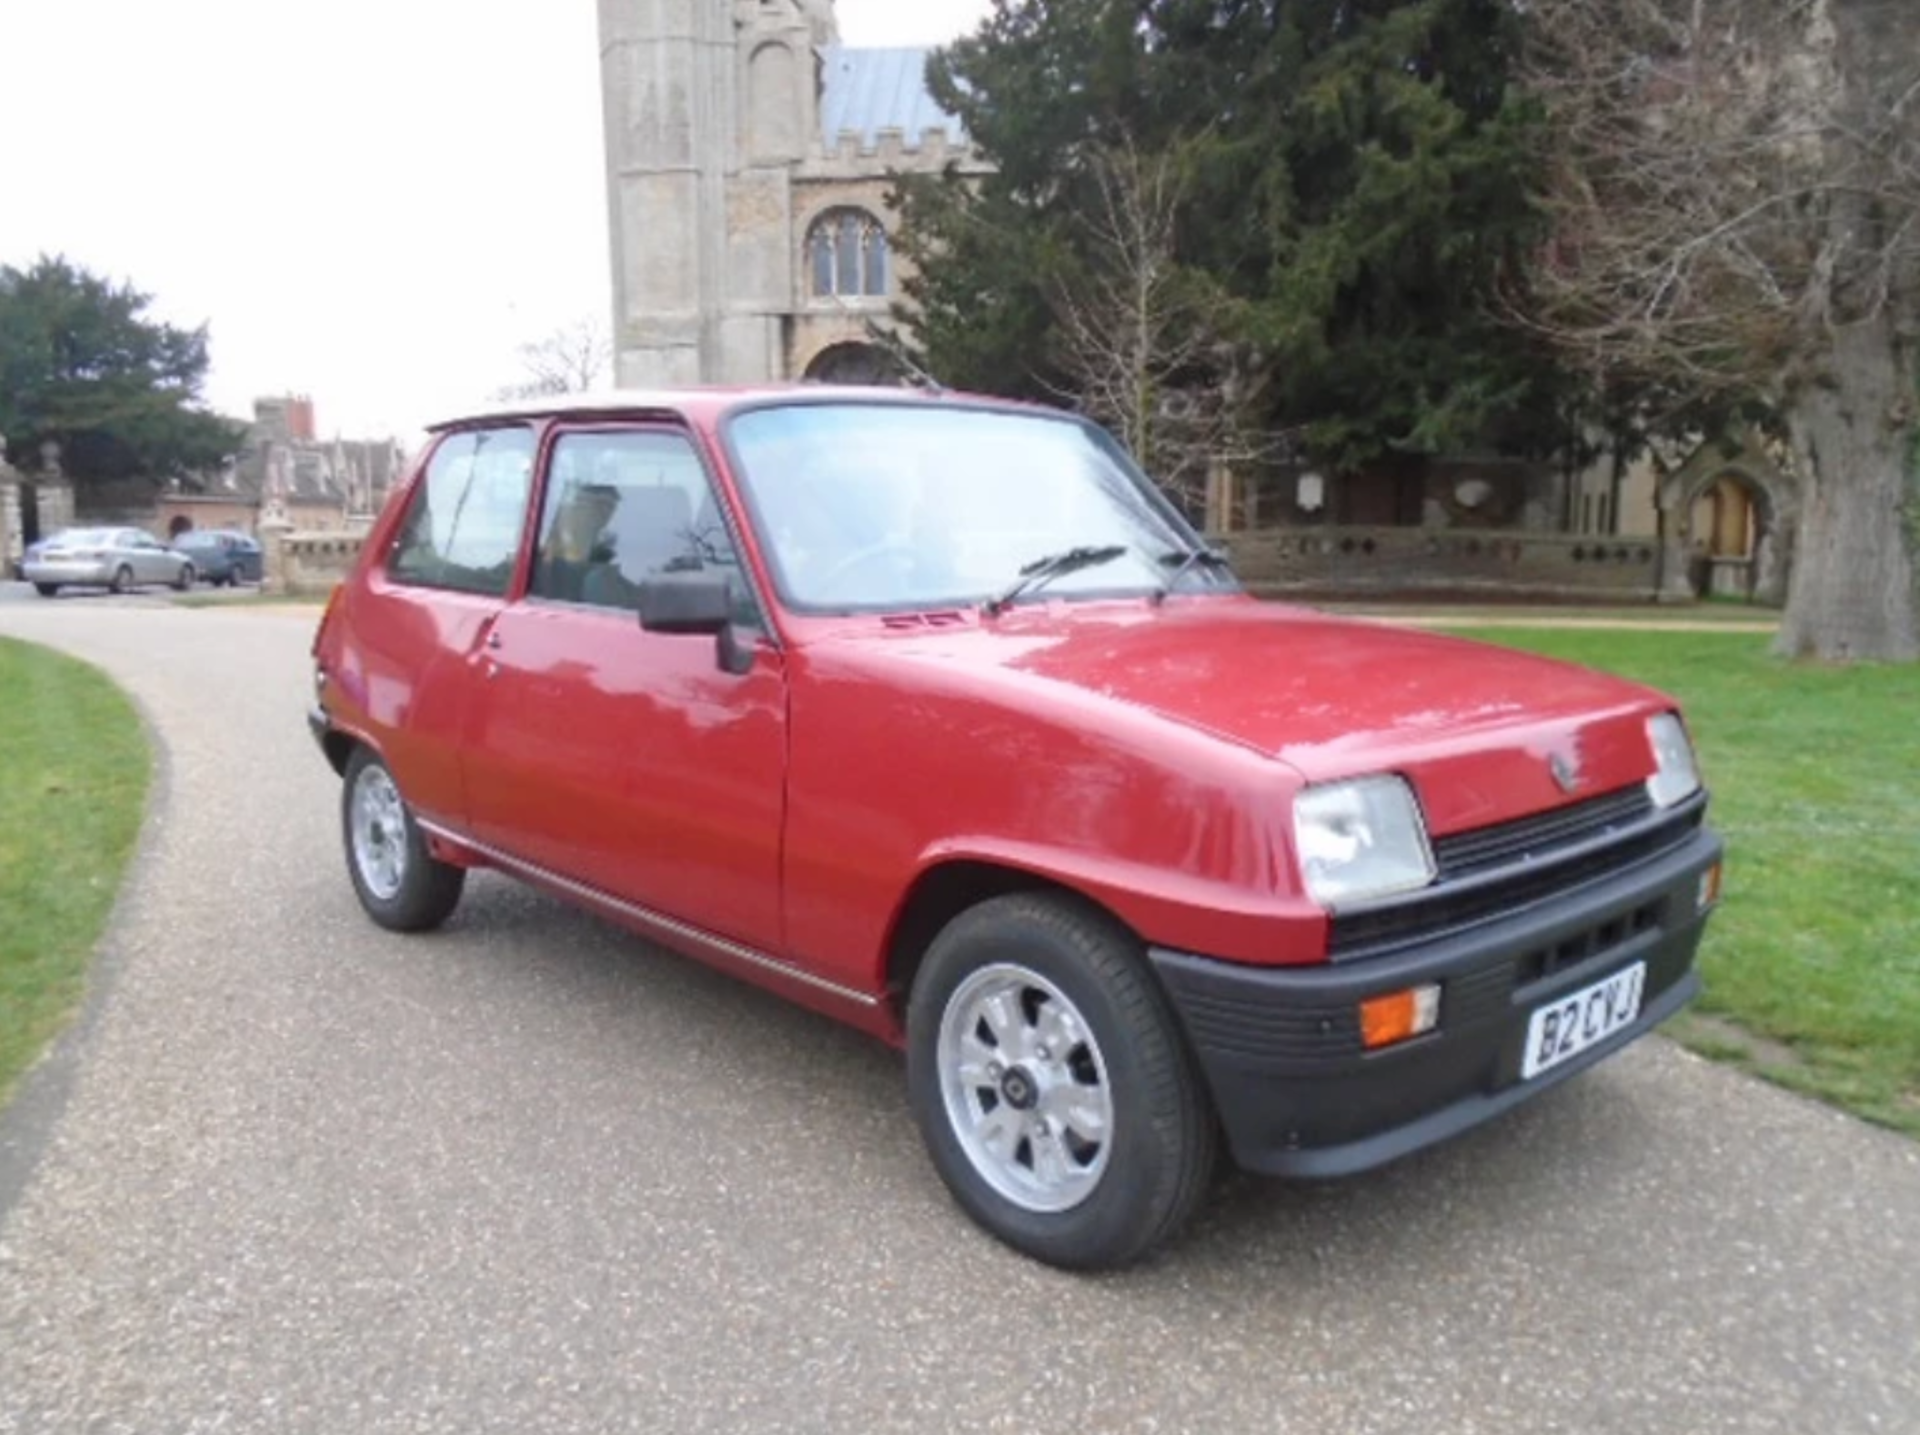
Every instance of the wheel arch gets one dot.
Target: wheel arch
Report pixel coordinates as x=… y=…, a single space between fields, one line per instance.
x=945 y=889
x=338 y=747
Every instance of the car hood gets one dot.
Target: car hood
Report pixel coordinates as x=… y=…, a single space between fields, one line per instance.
x=1477 y=728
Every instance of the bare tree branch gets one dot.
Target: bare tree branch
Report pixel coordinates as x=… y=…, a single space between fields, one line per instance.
x=1132 y=337
x=1726 y=189
x=1735 y=197
x=572 y=359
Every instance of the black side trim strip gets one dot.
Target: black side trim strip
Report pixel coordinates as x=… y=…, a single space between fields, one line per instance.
x=646 y=916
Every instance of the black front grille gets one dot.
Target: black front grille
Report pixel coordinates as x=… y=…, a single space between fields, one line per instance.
x=1533 y=837
x=1583 y=947
x=1498 y=870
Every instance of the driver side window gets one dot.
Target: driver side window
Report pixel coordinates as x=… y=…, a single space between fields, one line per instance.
x=622 y=506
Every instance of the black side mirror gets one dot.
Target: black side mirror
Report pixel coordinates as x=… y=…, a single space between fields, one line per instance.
x=699 y=602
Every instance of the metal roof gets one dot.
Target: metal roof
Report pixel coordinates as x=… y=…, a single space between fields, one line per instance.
x=880 y=89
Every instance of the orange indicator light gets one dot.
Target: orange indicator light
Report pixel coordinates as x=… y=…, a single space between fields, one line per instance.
x=1399 y=1016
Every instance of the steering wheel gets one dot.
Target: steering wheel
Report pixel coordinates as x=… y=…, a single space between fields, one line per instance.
x=895 y=548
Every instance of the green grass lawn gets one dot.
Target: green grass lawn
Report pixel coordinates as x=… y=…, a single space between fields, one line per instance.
x=74 y=768
x=1812 y=965
x=252 y=598
x=1487 y=615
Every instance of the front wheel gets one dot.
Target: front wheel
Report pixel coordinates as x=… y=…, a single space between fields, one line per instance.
x=1052 y=1086
x=400 y=883
x=122 y=579
x=185 y=580
x=46 y=590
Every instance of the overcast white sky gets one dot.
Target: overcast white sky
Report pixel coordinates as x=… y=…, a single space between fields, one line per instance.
x=371 y=201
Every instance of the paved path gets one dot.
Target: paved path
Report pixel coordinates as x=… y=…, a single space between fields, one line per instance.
x=293 y=1174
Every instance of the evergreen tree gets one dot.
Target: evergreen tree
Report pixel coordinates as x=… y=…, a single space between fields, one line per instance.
x=1356 y=181
x=82 y=364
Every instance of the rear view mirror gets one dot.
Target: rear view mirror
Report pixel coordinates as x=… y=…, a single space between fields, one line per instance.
x=699 y=602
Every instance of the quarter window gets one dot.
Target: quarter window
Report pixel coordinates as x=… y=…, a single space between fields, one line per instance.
x=463 y=529
x=622 y=507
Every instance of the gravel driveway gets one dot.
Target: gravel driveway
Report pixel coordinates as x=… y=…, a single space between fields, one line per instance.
x=527 y=1175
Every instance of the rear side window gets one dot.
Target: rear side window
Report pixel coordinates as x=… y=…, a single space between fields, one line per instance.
x=623 y=506
x=462 y=529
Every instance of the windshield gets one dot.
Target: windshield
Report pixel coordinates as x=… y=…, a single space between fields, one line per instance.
x=872 y=506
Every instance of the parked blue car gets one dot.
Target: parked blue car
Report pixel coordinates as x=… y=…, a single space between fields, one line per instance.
x=223 y=556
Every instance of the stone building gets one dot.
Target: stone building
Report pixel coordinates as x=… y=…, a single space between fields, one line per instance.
x=748 y=161
x=286 y=471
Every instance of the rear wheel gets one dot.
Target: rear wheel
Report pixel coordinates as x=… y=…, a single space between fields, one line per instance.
x=46 y=590
x=122 y=579
x=399 y=882
x=1052 y=1085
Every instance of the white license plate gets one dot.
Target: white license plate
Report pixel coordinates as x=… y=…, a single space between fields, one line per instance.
x=1563 y=1029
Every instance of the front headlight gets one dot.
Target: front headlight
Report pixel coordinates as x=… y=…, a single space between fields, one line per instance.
x=1361 y=839
x=1676 y=776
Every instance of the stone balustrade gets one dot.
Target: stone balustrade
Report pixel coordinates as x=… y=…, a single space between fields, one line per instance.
x=1444 y=562
x=307 y=565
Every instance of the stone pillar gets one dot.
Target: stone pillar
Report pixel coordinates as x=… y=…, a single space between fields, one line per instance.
x=669 y=93
x=1675 y=573
x=53 y=506
x=13 y=541
x=273 y=532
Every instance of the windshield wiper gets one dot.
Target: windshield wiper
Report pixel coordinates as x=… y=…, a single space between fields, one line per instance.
x=1185 y=563
x=1055 y=565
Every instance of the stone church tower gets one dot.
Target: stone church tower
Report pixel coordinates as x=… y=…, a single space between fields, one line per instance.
x=748 y=159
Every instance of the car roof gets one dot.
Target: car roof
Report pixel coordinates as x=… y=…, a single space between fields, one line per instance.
x=710 y=401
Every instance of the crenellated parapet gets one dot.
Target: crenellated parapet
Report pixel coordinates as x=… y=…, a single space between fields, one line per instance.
x=857 y=155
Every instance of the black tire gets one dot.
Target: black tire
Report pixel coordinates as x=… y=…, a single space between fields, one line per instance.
x=185 y=580
x=1163 y=1139
x=426 y=890
x=46 y=590
x=122 y=579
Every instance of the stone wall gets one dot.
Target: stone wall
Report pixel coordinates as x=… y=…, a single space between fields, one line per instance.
x=1443 y=563
x=234 y=514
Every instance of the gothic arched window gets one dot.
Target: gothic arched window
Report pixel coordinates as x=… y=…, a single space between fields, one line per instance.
x=847 y=255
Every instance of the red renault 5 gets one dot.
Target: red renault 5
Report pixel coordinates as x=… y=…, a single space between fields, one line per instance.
x=930 y=712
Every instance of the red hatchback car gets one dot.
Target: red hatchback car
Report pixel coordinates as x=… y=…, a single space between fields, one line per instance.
x=930 y=712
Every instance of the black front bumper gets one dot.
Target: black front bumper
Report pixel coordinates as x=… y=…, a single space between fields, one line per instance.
x=1300 y=1096
x=324 y=736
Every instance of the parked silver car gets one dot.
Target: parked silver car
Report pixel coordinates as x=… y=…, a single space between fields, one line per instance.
x=115 y=558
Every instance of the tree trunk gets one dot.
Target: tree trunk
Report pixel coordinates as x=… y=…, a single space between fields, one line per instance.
x=1852 y=597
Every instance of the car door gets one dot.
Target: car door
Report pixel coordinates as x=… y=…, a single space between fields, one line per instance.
x=122 y=552
x=628 y=761
x=426 y=604
x=150 y=561
x=126 y=544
